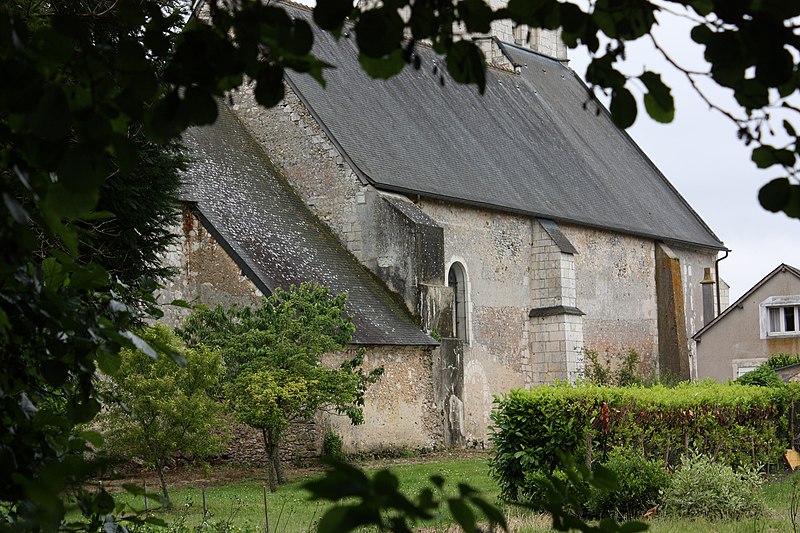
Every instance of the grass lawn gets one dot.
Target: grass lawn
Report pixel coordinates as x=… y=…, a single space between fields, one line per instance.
x=241 y=503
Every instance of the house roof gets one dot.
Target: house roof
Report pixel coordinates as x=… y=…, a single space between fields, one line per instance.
x=536 y=143
x=272 y=236
x=783 y=267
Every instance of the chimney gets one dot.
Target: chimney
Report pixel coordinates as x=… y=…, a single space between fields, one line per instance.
x=545 y=42
x=708 y=296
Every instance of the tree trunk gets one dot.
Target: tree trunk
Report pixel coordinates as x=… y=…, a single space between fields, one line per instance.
x=276 y=461
x=268 y=447
x=160 y=468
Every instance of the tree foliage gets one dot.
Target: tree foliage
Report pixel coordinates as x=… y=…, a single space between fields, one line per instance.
x=272 y=357
x=87 y=85
x=160 y=409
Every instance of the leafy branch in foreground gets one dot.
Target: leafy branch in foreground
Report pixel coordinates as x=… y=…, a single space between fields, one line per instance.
x=378 y=501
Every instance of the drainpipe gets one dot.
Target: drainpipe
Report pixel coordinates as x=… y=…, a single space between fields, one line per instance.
x=716 y=274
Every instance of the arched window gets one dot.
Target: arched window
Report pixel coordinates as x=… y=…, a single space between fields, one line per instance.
x=457 y=279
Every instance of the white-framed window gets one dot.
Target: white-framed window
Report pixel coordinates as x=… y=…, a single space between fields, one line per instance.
x=780 y=316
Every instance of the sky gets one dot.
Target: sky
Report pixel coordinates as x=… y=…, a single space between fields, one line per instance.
x=701 y=156
x=704 y=160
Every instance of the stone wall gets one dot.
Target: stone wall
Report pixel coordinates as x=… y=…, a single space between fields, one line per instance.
x=400 y=411
x=494 y=249
x=616 y=290
x=206 y=273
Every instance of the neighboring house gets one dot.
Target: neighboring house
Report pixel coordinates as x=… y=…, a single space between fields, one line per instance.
x=763 y=322
x=519 y=226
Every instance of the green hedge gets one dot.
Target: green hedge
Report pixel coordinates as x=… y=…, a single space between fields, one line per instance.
x=735 y=424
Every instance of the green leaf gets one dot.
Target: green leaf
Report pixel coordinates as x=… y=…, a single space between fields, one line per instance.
x=61 y=202
x=104 y=502
x=379 y=31
x=130 y=57
x=702 y=7
x=623 y=107
x=656 y=111
x=92 y=437
x=269 y=85
x=83 y=169
x=53 y=47
x=658 y=101
x=334 y=520
x=163 y=119
x=775 y=195
x=462 y=514
x=476 y=15
x=765 y=156
x=108 y=362
x=200 y=106
x=601 y=72
x=139 y=343
x=384 y=67
x=466 y=64
x=775 y=68
x=89 y=277
x=526 y=11
x=301 y=39
x=51 y=120
x=751 y=94
x=492 y=513
x=331 y=14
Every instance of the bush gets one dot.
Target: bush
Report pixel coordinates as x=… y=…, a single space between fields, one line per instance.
x=737 y=424
x=623 y=369
x=702 y=487
x=780 y=360
x=332 y=446
x=763 y=376
x=641 y=484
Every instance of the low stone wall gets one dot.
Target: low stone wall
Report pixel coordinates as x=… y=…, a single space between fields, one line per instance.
x=301 y=442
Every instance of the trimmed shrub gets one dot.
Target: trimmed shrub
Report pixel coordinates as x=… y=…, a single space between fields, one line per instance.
x=763 y=376
x=702 y=487
x=641 y=484
x=736 y=424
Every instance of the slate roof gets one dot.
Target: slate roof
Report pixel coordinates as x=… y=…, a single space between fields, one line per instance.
x=531 y=144
x=273 y=237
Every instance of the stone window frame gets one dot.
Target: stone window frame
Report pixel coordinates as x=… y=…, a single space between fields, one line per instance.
x=784 y=303
x=464 y=306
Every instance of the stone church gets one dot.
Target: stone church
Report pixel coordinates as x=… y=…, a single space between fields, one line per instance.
x=484 y=241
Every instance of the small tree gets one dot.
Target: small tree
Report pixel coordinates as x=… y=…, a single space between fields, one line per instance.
x=272 y=359
x=161 y=408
